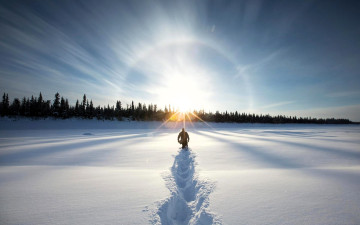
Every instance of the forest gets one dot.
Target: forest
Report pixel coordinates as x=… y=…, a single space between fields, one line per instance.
x=59 y=107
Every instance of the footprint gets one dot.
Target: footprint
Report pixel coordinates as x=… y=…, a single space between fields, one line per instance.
x=189 y=197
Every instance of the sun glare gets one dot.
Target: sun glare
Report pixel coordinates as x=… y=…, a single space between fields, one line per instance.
x=183 y=90
x=178 y=77
x=183 y=109
x=182 y=103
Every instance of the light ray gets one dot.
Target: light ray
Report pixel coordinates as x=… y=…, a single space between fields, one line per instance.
x=174 y=74
x=184 y=123
x=187 y=114
x=201 y=120
x=164 y=123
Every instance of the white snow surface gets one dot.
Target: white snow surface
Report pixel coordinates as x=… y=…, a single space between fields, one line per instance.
x=111 y=172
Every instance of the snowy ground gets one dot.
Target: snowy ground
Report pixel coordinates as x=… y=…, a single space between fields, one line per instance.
x=94 y=172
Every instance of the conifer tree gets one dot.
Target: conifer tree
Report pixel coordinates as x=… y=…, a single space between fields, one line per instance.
x=40 y=99
x=15 y=107
x=23 y=107
x=33 y=106
x=40 y=105
x=62 y=108
x=77 y=109
x=56 y=105
x=5 y=105
x=91 y=110
x=118 y=110
x=83 y=106
x=67 y=107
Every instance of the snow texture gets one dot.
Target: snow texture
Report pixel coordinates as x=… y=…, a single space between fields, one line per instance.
x=189 y=197
x=110 y=172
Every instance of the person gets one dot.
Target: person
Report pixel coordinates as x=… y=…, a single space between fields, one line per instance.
x=183 y=138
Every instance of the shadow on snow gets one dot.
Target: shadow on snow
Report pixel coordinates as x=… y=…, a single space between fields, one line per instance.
x=189 y=198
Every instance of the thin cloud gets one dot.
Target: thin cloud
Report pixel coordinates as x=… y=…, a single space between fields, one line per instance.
x=343 y=94
x=253 y=67
x=275 y=105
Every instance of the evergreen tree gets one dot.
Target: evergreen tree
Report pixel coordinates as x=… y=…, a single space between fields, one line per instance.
x=91 y=110
x=83 y=106
x=28 y=104
x=77 y=108
x=5 y=105
x=87 y=111
x=62 y=108
x=15 y=107
x=132 y=106
x=2 y=108
x=33 y=106
x=40 y=103
x=67 y=107
x=23 y=107
x=56 y=105
x=118 y=110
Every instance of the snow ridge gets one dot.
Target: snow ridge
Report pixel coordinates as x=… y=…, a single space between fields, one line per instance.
x=189 y=197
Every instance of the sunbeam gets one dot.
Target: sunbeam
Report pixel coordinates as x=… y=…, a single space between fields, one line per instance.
x=201 y=120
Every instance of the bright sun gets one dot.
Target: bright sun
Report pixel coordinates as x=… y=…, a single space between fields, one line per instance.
x=183 y=105
x=181 y=80
x=183 y=93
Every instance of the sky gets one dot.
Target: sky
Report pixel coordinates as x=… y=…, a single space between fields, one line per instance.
x=298 y=58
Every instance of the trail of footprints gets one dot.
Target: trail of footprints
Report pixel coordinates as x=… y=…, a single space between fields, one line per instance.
x=189 y=197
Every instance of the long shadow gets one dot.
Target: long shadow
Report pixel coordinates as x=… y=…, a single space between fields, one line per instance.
x=95 y=154
x=295 y=133
x=189 y=197
x=342 y=153
x=338 y=175
x=274 y=161
x=65 y=140
x=312 y=135
x=21 y=156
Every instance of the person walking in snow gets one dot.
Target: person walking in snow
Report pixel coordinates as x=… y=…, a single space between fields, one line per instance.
x=183 y=138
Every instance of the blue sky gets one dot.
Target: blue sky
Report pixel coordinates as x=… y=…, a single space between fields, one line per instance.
x=279 y=57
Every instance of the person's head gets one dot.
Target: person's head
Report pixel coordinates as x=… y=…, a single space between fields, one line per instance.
x=183 y=130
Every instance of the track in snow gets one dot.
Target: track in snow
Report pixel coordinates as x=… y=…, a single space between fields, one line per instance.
x=189 y=197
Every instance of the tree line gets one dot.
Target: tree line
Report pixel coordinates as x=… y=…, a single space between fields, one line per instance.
x=59 y=107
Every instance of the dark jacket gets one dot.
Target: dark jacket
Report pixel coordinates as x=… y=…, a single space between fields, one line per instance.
x=183 y=137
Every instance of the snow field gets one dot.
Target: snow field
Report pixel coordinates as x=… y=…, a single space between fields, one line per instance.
x=61 y=172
